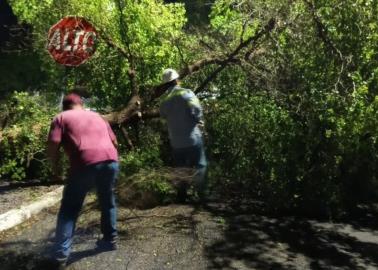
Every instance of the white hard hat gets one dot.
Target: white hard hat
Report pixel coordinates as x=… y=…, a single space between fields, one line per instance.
x=170 y=75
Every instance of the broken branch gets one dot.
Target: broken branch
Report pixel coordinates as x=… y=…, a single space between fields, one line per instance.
x=253 y=39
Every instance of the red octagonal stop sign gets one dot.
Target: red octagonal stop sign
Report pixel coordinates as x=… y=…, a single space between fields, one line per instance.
x=71 y=41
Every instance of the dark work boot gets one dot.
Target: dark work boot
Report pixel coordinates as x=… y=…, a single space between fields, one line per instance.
x=58 y=262
x=182 y=195
x=106 y=245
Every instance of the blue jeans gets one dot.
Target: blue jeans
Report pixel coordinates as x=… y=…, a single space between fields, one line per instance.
x=192 y=157
x=103 y=175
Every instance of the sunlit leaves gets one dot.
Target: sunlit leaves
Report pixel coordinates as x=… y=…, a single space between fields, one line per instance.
x=147 y=29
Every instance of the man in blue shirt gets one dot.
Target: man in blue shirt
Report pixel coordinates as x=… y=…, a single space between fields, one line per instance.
x=183 y=112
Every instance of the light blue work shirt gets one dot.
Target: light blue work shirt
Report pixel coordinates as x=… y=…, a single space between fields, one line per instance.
x=182 y=110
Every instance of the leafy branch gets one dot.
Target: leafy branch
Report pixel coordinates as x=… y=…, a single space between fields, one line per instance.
x=132 y=110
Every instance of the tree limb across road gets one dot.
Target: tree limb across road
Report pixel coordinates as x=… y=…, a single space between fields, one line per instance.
x=135 y=109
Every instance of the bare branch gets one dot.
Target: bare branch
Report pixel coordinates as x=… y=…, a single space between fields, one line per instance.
x=132 y=109
x=207 y=45
x=125 y=53
x=322 y=31
x=113 y=45
x=149 y=114
x=127 y=138
x=252 y=40
x=188 y=70
x=132 y=112
x=125 y=38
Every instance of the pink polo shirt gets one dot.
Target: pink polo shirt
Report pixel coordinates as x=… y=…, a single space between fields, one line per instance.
x=86 y=137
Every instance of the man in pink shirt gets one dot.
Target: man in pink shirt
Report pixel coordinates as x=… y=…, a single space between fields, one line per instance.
x=89 y=143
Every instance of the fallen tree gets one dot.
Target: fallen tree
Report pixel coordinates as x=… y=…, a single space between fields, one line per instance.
x=138 y=107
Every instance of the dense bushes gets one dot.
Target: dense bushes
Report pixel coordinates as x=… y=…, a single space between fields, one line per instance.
x=322 y=159
x=291 y=120
x=26 y=120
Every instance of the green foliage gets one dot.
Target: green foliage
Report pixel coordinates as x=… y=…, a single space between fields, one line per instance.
x=23 y=140
x=297 y=123
x=197 y=11
x=148 y=30
x=293 y=122
x=143 y=171
x=29 y=10
x=324 y=164
x=229 y=21
x=139 y=159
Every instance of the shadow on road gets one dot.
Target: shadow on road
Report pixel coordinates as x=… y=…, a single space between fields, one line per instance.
x=261 y=242
x=19 y=255
x=78 y=255
x=219 y=236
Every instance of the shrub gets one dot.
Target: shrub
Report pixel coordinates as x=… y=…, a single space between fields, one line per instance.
x=23 y=140
x=319 y=160
x=143 y=181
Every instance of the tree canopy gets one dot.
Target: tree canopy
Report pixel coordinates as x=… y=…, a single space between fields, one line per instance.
x=289 y=89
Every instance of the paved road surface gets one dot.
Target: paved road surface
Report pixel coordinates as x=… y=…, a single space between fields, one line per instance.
x=185 y=237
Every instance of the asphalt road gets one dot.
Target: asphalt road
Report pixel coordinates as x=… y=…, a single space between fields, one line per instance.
x=187 y=237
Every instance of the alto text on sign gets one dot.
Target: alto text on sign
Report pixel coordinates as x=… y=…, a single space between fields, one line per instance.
x=72 y=41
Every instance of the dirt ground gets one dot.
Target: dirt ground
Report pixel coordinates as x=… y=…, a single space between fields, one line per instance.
x=219 y=236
